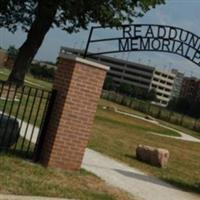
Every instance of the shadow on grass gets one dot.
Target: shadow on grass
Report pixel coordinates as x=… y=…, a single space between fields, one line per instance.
x=18 y=153
x=22 y=149
x=143 y=177
x=177 y=183
x=184 y=186
x=130 y=156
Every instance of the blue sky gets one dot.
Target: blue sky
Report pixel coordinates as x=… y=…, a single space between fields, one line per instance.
x=182 y=13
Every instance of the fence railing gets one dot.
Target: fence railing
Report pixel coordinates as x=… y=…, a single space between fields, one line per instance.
x=22 y=116
x=153 y=110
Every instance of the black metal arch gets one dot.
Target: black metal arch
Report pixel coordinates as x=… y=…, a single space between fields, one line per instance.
x=151 y=37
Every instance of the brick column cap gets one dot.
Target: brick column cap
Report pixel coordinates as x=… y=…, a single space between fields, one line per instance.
x=84 y=61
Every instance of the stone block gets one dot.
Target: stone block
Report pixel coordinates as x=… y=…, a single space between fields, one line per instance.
x=155 y=156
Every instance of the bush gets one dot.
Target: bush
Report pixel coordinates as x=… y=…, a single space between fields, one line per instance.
x=42 y=71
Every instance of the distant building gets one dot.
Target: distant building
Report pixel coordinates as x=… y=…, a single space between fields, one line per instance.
x=121 y=71
x=162 y=83
x=176 y=90
x=191 y=88
x=139 y=75
x=3 y=57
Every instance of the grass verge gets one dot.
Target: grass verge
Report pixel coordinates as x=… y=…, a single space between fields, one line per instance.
x=22 y=177
x=118 y=136
x=132 y=111
x=132 y=123
x=29 y=80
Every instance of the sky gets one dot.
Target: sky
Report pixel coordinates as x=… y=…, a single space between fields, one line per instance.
x=181 y=13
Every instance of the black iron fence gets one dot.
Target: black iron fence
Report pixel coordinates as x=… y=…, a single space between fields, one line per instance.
x=22 y=117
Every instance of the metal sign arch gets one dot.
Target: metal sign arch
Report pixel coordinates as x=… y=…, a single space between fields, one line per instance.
x=150 y=37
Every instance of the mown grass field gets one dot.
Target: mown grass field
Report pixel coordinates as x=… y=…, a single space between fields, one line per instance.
x=154 y=110
x=29 y=80
x=32 y=104
x=22 y=177
x=118 y=136
x=132 y=111
x=30 y=109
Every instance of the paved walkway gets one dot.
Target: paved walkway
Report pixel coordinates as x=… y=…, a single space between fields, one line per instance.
x=184 y=136
x=137 y=183
x=15 y=197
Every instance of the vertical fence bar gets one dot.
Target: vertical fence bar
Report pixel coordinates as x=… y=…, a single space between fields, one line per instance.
x=16 y=114
x=9 y=116
x=6 y=100
x=43 y=128
x=3 y=112
x=34 y=124
x=2 y=85
x=29 y=118
x=24 y=112
x=32 y=102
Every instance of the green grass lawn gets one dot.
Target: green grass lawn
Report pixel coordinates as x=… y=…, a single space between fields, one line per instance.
x=23 y=109
x=118 y=136
x=156 y=111
x=27 y=101
x=135 y=124
x=180 y=128
x=29 y=80
x=103 y=102
x=35 y=82
x=21 y=177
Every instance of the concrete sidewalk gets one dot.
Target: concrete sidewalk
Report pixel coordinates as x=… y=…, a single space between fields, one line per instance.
x=15 y=197
x=184 y=136
x=132 y=180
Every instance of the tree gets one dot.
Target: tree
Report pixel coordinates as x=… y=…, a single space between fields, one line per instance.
x=126 y=89
x=183 y=105
x=36 y=17
x=42 y=71
x=109 y=84
x=172 y=105
x=12 y=52
x=151 y=95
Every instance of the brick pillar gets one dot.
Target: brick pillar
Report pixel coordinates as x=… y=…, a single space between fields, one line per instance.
x=78 y=83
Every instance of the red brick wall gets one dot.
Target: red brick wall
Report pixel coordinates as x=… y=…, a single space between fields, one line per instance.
x=79 y=87
x=9 y=63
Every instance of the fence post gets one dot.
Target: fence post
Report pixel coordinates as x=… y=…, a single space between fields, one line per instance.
x=79 y=84
x=43 y=129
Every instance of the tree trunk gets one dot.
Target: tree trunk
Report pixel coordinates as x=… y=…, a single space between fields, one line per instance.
x=39 y=28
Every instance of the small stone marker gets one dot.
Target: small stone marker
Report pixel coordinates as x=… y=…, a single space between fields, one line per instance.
x=149 y=117
x=110 y=108
x=154 y=156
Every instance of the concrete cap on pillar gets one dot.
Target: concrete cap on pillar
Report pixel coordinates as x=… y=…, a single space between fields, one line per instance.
x=84 y=61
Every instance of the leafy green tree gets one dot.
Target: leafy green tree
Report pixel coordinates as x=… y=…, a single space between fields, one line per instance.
x=109 y=84
x=172 y=104
x=126 y=89
x=36 y=17
x=194 y=110
x=151 y=95
x=183 y=105
x=42 y=71
x=141 y=93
